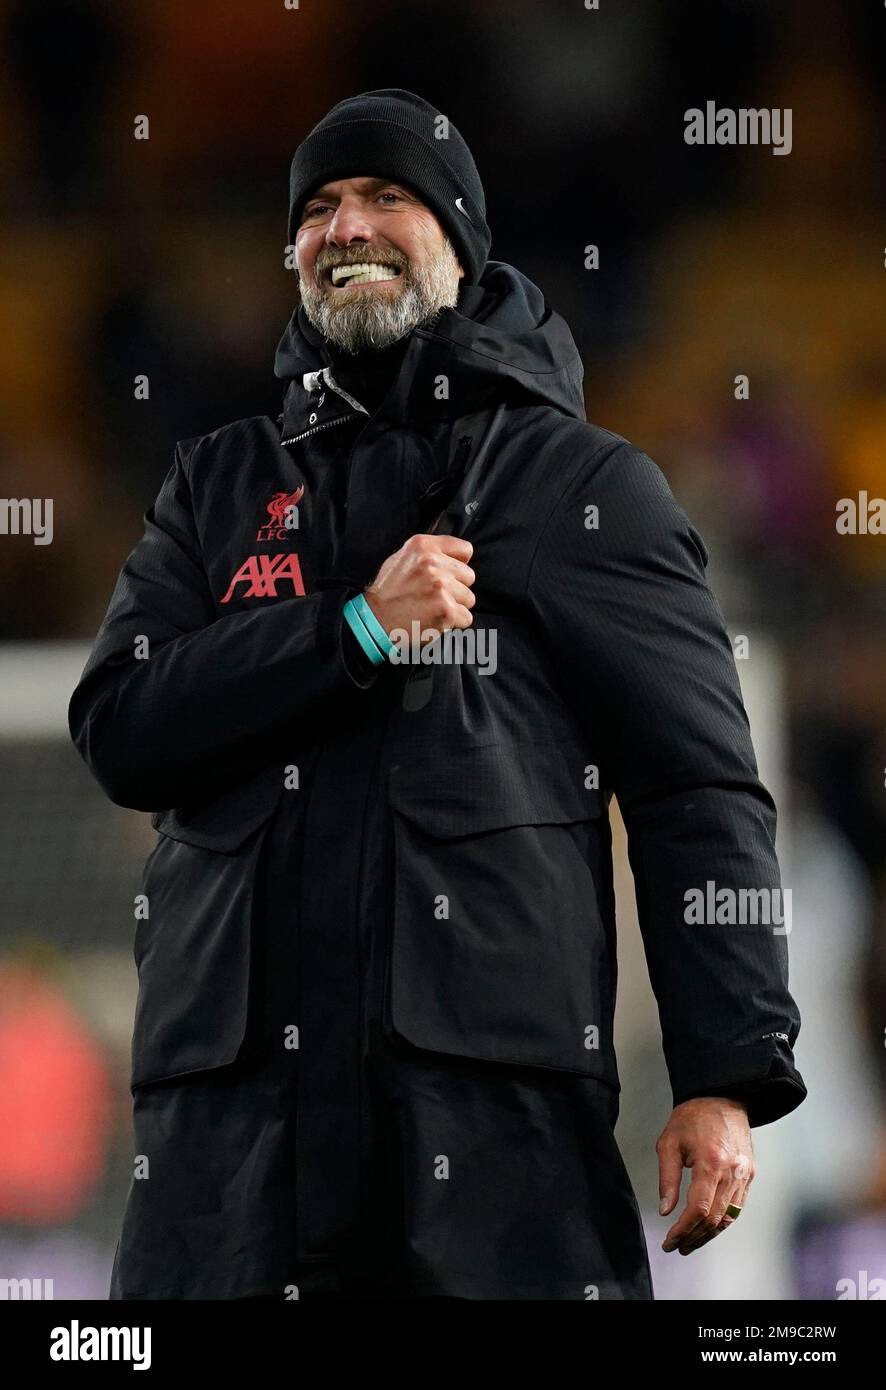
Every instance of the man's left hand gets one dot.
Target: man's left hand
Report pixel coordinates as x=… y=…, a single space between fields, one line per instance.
x=710 y=1135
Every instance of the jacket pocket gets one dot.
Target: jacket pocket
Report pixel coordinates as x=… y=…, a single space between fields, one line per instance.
x=499 y=951
x=193 y=950
x=226 y=822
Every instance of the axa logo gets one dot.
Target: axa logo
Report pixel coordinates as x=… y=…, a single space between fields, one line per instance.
x=262 y=573
x=283 y=511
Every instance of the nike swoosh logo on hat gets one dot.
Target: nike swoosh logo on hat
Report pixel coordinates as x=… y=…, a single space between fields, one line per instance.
x=461 y=209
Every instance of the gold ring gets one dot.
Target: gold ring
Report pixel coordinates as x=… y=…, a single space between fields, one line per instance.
x=733 y=1211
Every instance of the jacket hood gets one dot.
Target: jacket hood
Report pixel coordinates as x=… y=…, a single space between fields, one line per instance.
x=502 y=339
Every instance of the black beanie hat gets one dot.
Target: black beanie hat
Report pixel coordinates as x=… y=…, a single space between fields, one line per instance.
x=394 y=134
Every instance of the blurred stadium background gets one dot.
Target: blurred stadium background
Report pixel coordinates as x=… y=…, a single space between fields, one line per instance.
x=165 y=257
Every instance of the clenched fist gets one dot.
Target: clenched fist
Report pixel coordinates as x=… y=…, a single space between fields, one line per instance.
x=428 y=581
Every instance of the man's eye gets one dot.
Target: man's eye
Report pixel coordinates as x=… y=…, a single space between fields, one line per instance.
x=316 y=209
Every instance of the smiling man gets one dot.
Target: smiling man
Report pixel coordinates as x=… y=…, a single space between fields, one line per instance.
x=373 y=1048
x=405 y=250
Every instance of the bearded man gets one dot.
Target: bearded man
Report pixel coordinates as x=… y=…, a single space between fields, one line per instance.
x=373 y=1048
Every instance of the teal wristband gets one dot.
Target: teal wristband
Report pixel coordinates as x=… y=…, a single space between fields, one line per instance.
x=354 y=622
x=372 y=625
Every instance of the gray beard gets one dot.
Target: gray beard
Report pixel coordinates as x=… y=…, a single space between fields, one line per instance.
x=369 y=321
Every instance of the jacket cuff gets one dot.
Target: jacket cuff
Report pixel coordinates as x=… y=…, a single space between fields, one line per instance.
x=357 y=664
x=335 y=638
x=761 y=1075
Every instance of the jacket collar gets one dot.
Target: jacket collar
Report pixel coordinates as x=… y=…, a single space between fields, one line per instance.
x=315 y=400
x=502 y=342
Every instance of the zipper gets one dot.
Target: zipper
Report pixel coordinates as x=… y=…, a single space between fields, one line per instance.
x=348 y=468
x=392 y=869
x=327 y=424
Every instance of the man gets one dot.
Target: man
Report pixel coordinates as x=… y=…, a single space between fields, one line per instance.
x=373 y=1051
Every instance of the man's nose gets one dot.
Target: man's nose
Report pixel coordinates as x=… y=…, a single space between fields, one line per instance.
x=348 y=224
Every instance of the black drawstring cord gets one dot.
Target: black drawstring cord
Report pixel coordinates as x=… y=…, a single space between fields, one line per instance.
x=453 y=475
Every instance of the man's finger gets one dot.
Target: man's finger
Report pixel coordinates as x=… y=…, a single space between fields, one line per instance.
x=745 y=1174
x=670 y=1176
x=711 y=1225
x=457 y=546
x=699 y=1200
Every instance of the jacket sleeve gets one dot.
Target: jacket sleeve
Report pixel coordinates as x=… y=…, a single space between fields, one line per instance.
x=176 y=703
x=639 y=643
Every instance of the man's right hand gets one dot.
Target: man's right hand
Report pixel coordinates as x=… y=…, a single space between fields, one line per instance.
x=428 y=581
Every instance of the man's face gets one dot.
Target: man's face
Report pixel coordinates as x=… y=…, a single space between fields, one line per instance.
x=413 y=271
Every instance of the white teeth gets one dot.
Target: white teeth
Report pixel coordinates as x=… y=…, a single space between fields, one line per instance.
x=362 y=273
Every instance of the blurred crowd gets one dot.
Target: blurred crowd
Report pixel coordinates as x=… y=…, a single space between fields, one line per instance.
x=164 y=257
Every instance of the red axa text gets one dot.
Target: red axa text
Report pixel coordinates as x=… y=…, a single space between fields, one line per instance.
x=262 y=573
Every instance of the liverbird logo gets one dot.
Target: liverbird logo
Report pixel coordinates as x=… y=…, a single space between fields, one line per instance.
x=283 y=511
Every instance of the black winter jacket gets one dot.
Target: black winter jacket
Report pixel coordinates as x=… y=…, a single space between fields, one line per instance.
x=451 y=821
